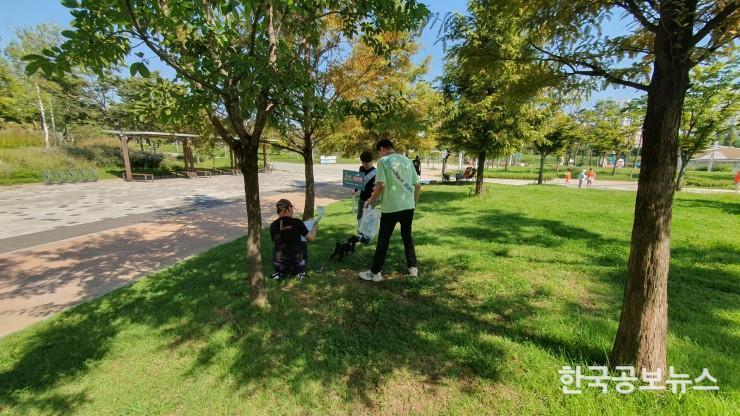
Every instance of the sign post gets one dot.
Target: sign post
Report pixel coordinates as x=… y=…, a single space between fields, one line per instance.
x=354 y=180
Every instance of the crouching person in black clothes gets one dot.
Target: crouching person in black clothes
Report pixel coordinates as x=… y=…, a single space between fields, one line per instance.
x=289 y=252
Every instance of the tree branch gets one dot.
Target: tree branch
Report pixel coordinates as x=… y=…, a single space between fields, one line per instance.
x=634 y=9
x=594 y=70
x=715 y=22
x=220 y=129
x=164 y=56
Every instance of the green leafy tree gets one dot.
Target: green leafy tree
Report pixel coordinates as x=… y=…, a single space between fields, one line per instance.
x=34 y=40
x=664 y=40
x=491 y=98
x=237 y=57
x=384 y=96
x=711 y=108
x=554 y=139
x=16 y=104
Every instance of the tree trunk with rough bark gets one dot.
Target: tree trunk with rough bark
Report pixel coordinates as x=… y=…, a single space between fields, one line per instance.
x=479 y=173
x=682 y=172
x=643 y=324
x=248 y=163
x=541 y=176
x=308 y=206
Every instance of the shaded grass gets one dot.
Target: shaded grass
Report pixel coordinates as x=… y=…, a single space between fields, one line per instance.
x=512 y=286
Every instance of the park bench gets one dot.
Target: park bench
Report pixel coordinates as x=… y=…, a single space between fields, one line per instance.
x=73 y=175
x=204 y=173
x=185 y=174
x=460 y=178
x=468 y=174
x=143 y=176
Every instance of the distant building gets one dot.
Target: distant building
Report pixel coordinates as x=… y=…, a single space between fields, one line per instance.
x=717 y=155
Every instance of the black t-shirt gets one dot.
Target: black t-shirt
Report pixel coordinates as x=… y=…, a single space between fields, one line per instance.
x=369 y=185
x=286 y=236
x=417 y=166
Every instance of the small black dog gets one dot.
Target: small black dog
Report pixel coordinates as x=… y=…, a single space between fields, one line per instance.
x=342 y=250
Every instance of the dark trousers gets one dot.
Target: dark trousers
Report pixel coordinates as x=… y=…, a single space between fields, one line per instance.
x=387 y=224
x=289 y=268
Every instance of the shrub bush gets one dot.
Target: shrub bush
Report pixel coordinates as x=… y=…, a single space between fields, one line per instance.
x=102 y=155
x=718 y=167
x=145 y=160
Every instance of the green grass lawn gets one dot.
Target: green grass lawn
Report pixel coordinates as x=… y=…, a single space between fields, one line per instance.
x=511 y=288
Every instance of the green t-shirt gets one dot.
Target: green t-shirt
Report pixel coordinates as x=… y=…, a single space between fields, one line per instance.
x=399 y=176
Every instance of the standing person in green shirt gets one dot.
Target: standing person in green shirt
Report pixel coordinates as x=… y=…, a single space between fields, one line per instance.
x=397 y=188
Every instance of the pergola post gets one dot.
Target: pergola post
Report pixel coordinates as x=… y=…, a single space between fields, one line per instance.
x=188 y=156
x=126 y=161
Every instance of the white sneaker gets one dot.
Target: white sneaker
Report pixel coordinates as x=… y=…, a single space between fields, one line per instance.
x=413 y=271
x=370 y=276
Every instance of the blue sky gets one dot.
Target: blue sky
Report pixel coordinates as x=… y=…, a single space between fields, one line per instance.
x=32 y=12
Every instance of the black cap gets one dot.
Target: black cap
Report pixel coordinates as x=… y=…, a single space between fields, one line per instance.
x=283 y=204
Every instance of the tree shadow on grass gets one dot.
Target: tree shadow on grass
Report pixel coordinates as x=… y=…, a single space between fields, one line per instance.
x=323 y=329
x=332 y=328
x=732 y=208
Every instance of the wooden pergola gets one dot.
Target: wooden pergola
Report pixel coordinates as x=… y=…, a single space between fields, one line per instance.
x=125 y=136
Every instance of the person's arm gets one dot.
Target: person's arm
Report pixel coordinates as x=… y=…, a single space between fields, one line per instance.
x=417 y=191
x=377 y=191
x=311 y=236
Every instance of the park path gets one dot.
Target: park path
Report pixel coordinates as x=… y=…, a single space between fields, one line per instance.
x=48 y=266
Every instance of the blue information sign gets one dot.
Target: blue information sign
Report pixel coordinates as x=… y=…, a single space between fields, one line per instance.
x=353 y=179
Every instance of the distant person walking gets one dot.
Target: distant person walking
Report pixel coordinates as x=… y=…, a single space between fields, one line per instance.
x=397 y=188
x=581 y=178
x=590 y=176
x=568 y=176
x=737 y=181
x=417 y=165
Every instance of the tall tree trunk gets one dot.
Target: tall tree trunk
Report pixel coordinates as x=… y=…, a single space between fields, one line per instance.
x=508 y=161
x=614 y=167
x=479 y=173
x=248 y=158
x=541 y=176
x=643 y=324
x=590 y=157
x=43 y=116
x=54 y=133
x=308 y=206
x=682 y=172
x=264 y=156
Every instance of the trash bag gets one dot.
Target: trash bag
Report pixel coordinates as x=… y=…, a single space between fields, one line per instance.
x=370 y=222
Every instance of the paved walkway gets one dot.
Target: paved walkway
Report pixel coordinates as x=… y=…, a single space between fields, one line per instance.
x=66 y=244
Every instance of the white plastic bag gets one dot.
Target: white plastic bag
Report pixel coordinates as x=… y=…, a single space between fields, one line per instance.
x=370 y=222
